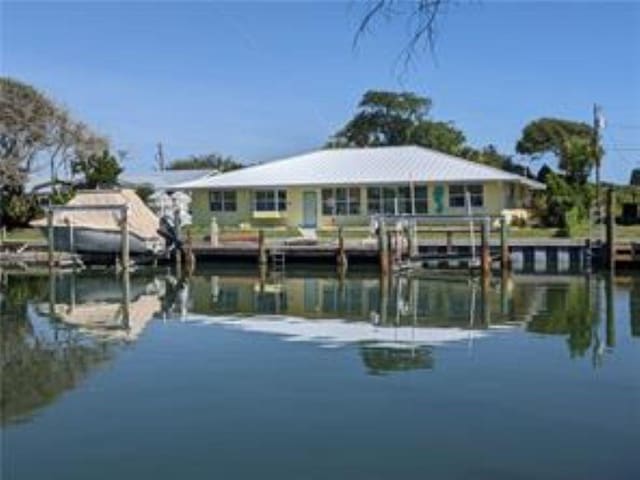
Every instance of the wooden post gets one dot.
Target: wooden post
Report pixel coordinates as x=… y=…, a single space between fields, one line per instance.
x=124 y=232
x=610 y=309
x=391 y=254
x=505 y=287
x=384 y=299
x=213 y=232
x=50 y=236
x=485 y=258
x=505 y=259
x=449 y=248
x=262 y=249
x=484 y=293
x=341 y=258
x=178 y=227
x=610 y=256
x=52 y=293
x=190 y=260
x=383 y=245
x=126 y=300
x=587 y=257
x=414 y=249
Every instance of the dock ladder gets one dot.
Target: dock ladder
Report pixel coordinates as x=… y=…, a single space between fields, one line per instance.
x=278 y=260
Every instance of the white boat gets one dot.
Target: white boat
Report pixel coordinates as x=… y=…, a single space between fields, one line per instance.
x=99 y=231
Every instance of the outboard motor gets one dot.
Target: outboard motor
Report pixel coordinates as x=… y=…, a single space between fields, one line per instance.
x=168 y=231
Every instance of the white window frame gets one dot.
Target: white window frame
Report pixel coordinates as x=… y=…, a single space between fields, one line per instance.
x=349 y=204
x=475 y=198
x=279 y=205
x=223 y=201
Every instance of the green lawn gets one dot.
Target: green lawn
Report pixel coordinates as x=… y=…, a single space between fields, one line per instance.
x=199 y=233
x=25 y=235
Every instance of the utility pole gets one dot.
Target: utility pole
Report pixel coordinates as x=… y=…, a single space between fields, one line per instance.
x=598 y=124
x=160 y=157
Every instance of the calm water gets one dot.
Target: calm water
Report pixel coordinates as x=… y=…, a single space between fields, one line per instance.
x=227 y=376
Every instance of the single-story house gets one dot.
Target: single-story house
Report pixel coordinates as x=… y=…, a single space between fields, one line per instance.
x=347 y=186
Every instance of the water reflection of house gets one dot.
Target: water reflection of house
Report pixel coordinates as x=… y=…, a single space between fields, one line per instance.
x=104 y=307
x=400 y=301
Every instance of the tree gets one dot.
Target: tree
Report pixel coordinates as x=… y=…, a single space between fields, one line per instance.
x=99 y=170
x=212 y=161
x=559 y=137
x=397 y=118
x=400 y=118
x=492 y=157
x=441 y=136
x=33 y=128
x=383 y=118
x=635 y=177
x=25 y=116
x=566 y=201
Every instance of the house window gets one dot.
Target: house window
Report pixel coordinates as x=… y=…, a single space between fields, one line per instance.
x=397 y=200
x=421 y=199
x=341 y=201
x=270 y=200
x=458 y=193
x=373 y=200
x=222 y=201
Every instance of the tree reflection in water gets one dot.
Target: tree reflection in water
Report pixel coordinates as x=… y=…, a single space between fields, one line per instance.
x=568 y=311
x=40 y=360
x=54 y=333
x=381 y=360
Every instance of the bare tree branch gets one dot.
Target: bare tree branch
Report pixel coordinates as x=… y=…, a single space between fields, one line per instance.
x=422 y=18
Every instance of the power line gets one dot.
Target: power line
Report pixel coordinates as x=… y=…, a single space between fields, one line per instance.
x=624 y=126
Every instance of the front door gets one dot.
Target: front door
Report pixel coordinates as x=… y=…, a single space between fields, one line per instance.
x=309 y=209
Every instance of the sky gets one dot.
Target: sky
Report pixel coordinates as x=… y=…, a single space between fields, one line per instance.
x=261 y=80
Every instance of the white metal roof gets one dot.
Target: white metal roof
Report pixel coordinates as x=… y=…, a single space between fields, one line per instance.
x=351 y=166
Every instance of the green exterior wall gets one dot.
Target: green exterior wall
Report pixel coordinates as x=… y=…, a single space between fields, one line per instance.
x=495 y=202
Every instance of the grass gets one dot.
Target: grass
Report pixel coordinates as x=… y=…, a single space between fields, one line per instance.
x=623 y=232
x=25 y=235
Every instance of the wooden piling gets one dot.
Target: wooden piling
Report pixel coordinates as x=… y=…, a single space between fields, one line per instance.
x=126 y=300
x=505 y=259
x=610 y=309
x=413 y=240
x=484 y=295
x=177 y=224
x=485 y=252
x=341 y=258
x=383 y=247
x=124 y=233
x=214 y=232
x=391 y=254
x=262 y=250
x=587 y=262
x=50 y=236
x=610 y=244
x=190 y=259
x=449 y=247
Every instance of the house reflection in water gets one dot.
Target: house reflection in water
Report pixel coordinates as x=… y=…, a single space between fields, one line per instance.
x=104 y=306
x=578 y=307
x=396 y=301
x=58 y=329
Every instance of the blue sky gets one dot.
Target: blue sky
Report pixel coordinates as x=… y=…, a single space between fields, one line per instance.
x=261 y=80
